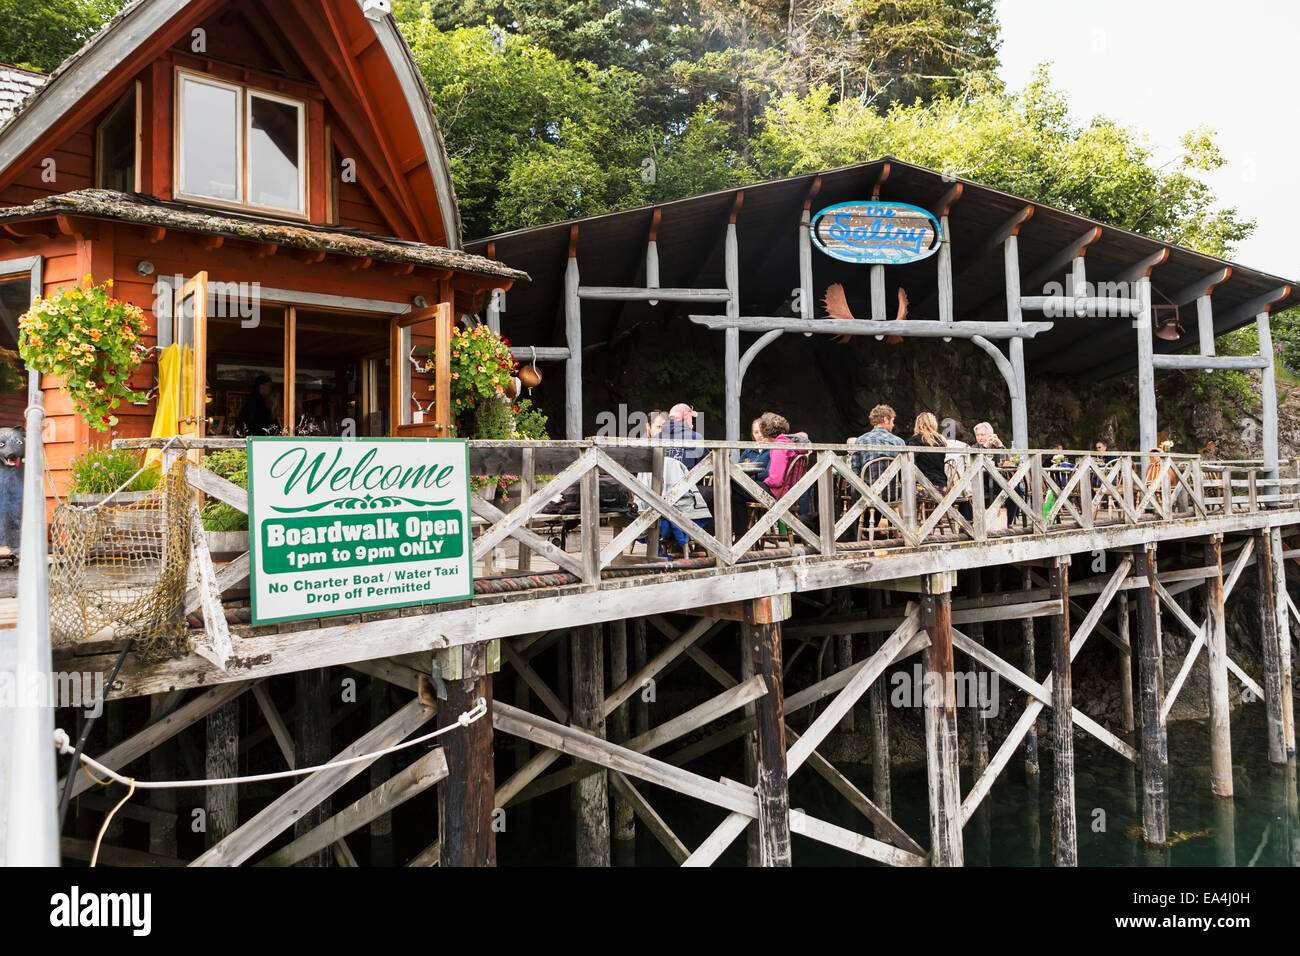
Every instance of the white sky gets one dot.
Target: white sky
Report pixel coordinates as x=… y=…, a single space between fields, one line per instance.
x=1167 y=66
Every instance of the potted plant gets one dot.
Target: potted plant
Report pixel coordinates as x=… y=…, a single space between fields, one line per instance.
x=98 y=472
x=90 y=340
x=226 y=527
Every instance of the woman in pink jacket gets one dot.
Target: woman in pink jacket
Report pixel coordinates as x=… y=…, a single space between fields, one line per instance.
x=774 y=428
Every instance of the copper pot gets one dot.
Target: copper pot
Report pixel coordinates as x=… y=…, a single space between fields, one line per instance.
x=529 y=376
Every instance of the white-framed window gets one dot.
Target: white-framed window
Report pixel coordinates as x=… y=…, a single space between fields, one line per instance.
x=240 y=146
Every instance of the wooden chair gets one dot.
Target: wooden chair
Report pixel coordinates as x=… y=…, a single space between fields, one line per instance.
x=872 y=520
x=948 y=521
x=780 y=533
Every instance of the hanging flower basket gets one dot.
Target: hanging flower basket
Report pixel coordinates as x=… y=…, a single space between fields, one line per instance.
x=91 y=341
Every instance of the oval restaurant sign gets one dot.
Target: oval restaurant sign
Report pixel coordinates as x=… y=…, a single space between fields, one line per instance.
x=875 y=233
x=338 y=526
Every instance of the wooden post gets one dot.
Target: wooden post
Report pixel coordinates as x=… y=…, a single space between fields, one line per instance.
x=761 y=633
x=1225 y=832
x=1125 y=666
x=312 y=747
x=444 y=323
x=843 y=603
x=878 y=701
x=1065 y=834
x=592 y=797
x=466 y=797
x=624 y=822
x=573 y=339
x=1016 y=347
x=162 y=766
x=1146 y=370
x=941 y=725
x=381 y=828
x=979 y=732
x=1217 y=654
x=221 y=759
x=1284 y=639
x=1268 y=639
x=731 y=336
x=1150 y=697
x=1031 y=665
x=640 y=708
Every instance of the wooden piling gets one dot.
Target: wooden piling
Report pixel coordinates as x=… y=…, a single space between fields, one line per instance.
x=591 y=805
x=1217 y=656
x=761 y=633
x=221 y=759
x=1031 y=666
x=1274 y=709
x=941 y=724
x=1282 y=603
x=640 y=709
x=979 y=729
x=381 y=828
x=1065 y=831
x=623 y=828
x=1125 y=666
x=878 y=702
x=162 y=766
x=1150 y=697
x=842 y=603
x=312 y=747
x=466 y=797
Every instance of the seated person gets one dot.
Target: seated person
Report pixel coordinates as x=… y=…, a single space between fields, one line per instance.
x=258 y=416
x=881 y=433
x=986 y=437
x=930 y=464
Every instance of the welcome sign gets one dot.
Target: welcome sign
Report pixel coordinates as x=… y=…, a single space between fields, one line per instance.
x=338 y=526
x=876 y=233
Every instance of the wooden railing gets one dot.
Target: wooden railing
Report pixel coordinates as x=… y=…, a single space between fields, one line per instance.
x=1043 y=492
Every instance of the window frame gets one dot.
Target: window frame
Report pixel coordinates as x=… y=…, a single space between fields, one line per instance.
x=301 y=106
x=137 y=173
x=243 y=122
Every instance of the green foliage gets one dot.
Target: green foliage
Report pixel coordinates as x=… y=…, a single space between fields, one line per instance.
x=494 y=419
x=100 y=471
x=89 y=339
x=231 y=464
x=530 y=423
x=40 y=36
x=1024 y=143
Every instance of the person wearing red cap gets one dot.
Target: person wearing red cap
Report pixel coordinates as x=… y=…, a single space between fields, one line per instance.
x=678 y=428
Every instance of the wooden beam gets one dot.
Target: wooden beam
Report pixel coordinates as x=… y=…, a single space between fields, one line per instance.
x=282 y=812
x=1060 y=260
x=119 y=755
x=1142 y=268
x=912 y=328
x=412 y=781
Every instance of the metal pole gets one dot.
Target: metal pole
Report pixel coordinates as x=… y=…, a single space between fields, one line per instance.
x=27 y=769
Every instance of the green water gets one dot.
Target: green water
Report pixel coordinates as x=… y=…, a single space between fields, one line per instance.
x=1014 y=826
x=1261 y=825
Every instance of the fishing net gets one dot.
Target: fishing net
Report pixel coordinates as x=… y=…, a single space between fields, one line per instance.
x=120 y=569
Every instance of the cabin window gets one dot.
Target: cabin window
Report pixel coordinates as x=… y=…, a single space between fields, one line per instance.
x=275 y=151
x=116 y=164
x=240 y=146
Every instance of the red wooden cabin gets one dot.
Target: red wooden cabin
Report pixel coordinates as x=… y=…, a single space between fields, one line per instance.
x=267 y=180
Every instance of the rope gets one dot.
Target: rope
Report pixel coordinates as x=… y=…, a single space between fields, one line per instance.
x=64 y=746
x=94 y=856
